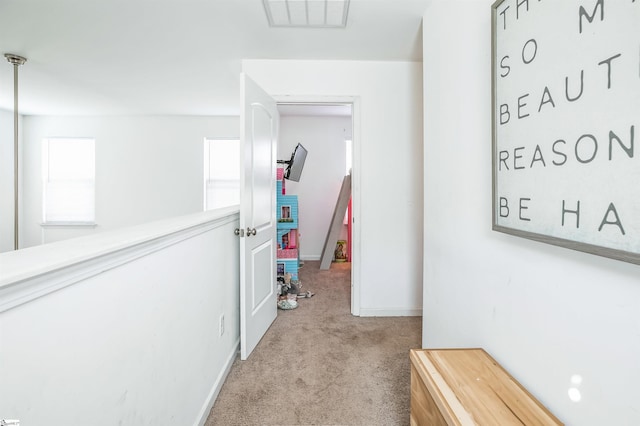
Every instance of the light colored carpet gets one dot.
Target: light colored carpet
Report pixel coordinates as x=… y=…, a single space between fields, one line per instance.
x=319 y=365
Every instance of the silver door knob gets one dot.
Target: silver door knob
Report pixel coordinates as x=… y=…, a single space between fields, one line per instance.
x=251 y=232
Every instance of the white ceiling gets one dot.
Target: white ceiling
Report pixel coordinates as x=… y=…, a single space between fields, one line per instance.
x=116 y=57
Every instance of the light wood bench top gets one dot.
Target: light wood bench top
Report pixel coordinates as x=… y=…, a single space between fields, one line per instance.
x=469 y=387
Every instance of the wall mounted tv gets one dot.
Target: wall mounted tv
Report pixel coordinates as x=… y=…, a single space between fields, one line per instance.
x=295 y=165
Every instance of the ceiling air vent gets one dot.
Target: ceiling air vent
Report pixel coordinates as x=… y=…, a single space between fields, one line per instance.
x=307 y=13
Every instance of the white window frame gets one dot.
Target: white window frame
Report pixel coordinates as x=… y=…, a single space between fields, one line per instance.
x=79 y=190
x=210 y=182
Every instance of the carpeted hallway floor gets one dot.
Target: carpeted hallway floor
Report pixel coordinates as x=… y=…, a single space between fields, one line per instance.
x=319 y=365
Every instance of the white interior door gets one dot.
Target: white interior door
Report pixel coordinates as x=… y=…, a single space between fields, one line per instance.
x=259 y=120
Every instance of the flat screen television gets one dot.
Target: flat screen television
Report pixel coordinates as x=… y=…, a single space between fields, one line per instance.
x=295 y=165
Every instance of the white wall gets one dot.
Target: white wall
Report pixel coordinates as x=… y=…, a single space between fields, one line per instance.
x=324 y=169
x=390 y=172
x=130 y=337
x=147 y=168
x=6 y=180
x=545 y=313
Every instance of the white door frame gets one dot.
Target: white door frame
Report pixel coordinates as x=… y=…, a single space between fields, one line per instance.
x=355 y=179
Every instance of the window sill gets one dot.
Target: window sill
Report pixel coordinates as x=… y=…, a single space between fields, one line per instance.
x=68 y=224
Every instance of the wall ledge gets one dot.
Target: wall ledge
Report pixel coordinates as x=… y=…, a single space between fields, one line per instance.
x=34 y=272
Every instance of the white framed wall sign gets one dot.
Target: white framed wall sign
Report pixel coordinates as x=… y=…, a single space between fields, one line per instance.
x=566 y=116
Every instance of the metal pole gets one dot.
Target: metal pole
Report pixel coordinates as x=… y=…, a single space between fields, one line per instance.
x=16 y=61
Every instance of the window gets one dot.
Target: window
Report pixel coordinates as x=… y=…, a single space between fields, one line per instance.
x=68 y=180
x=348 y=155
x=221 y=173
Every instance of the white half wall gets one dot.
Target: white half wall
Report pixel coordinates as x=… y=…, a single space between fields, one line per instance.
x=324 y=169
x=121 y=327
x=387 y=166
x=549 y=315
x=147 y=168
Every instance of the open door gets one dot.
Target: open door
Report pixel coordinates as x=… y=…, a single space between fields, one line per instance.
x=259 y=121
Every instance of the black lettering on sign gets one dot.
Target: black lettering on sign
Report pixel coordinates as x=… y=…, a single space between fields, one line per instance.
x=566 y=87
x=546 y=98
x=595 y=148
x=562 y=154
x=576 y=212
x=529 y=51
x=504 y=207
x=516 y=157
x=504 y=66
x=582 y=13
x=521 y=105
x=504 y=156
x=520 y=3
x=605 y=221
x=537 y=156
x=504 y=114
x=523 y=207
x=608 y=62
x=627 y=149
x=504 y=18
x=507 y=15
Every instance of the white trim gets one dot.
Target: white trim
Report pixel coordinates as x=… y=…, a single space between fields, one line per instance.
x=391 y=312
x=68 y=224
x=356 y=212
x=217 y=385
x=32 y=273
x=310 y=257
x=355 y=181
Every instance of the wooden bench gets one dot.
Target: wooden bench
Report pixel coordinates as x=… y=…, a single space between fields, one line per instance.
x=468 y=387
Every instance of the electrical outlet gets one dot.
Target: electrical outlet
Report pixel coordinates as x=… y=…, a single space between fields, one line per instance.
x=221 y=324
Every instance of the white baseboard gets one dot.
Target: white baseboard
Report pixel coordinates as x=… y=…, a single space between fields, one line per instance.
x=399 y=312
x=310 y=257
x=217 y=385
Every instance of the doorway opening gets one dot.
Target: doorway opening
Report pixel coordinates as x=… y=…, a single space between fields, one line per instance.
x=328 y=130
